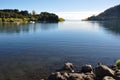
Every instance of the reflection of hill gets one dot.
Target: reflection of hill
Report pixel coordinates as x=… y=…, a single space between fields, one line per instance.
x=113 y=26
x=18 y=28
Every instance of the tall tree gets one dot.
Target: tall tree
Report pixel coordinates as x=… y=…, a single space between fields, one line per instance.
x=33 y=12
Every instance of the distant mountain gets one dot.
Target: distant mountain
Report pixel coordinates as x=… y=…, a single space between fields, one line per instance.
x=112 y=13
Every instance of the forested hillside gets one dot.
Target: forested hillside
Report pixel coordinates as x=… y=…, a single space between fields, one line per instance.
x=112 y=13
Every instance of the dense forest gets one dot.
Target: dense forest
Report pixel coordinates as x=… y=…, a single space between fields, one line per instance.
x=112 y=13
x=14 y=15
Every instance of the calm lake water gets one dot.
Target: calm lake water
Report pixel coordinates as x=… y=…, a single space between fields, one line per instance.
x=31 y=51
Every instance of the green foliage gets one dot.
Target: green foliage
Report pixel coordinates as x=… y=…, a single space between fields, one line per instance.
x=9 y=13
x=61 y=19
x=33 y=18
x=0 y=20
x=24 y=20
x=47 y=17
x=14 y=15
x=118 y=63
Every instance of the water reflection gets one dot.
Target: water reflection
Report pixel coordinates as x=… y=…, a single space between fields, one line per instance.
x=48 y=26
x=32 y=56
x=18 y=28
x=112 y=26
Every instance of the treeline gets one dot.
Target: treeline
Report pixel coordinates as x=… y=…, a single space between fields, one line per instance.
x=9 y=13
x=112 y=13
x=14 y=15
x=48 y=17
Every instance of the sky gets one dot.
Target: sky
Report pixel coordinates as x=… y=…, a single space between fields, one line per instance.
x=69 y=9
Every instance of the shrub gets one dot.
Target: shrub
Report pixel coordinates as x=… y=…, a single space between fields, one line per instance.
x=0 y=20
x=118 y=63
x=61 y=19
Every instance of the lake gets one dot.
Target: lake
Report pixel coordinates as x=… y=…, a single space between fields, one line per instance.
x=32 y=51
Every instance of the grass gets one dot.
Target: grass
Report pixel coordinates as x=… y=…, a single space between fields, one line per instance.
x=14 y=20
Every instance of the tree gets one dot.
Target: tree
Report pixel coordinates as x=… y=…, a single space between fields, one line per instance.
x=33 y=12
x=11 y=15
x=48 y=17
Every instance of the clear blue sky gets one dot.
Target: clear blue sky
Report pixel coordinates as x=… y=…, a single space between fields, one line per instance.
x=58 y=5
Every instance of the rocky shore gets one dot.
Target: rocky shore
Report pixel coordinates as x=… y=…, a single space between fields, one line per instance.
x=86 y=72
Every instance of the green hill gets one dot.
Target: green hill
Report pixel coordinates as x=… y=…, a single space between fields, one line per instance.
x=112 y=13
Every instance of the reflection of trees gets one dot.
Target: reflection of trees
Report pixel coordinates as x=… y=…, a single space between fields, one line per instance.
x=48 y=26
x=18 y=28
x=13 y=28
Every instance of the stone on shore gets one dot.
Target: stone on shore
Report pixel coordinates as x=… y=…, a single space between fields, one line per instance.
x=86 y=68
x=102 y=71
x=71 y=76
x=117 y=74
x=69 y=67
x=81 y=76
x=91 y=75
x=76 y=76
x=108 y=78
x=58 y=76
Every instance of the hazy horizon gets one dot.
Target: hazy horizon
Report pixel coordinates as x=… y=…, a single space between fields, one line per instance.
x=76 y=15
x=74 y=9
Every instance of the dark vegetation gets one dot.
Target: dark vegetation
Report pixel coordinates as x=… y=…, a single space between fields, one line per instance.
x=14 y=15
x=48 y=17
x=112 y=13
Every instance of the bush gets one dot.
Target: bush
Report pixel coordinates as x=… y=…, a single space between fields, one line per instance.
x=118 y=63
x=0 y=20
x=61 y=19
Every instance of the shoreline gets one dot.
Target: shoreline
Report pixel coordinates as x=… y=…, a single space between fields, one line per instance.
x=86 y=72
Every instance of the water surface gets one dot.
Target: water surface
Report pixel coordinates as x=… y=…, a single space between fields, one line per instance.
x=31 y=51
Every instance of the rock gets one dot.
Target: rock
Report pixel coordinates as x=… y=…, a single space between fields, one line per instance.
x=90 y=75
x=103 y=70
x=108 y=78
x=88 y=78
x=86 y=68
x=69 y=67
x=113 y=67
x=57 y=76
x=117 y=74
x=76 y=76
x=80 y=76
x=70 y=76
x=65 y=75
